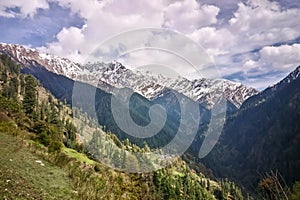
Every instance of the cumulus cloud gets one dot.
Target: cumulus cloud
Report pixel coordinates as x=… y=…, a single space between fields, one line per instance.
x=261 y=22
x=104 y=19
x=187 y=16
x=215 y=41
x=21 y=8
x=255 y=25
x=283 y=58
x=272 y=65
x=69 y=41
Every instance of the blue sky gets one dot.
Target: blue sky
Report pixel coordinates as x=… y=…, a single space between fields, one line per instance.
x=256 y=42
x=38 y=30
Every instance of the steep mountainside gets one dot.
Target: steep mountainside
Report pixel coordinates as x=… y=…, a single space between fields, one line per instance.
x=62 y=88
x=106 y=75
x=263 y=135
x=42 y=156
x=29 y=57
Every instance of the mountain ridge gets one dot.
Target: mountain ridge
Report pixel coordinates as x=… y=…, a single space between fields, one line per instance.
x=263 y=135
x=114 y=74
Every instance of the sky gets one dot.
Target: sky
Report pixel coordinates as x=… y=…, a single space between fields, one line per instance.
x=255 y=42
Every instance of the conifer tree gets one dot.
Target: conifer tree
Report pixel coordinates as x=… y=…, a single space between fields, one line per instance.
x=30 y=96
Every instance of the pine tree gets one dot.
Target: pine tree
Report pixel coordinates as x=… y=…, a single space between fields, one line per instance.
x=13 y=88
x=30 y=96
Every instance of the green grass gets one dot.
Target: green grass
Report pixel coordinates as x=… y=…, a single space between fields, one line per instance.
x=79 y=156
x=21 y=177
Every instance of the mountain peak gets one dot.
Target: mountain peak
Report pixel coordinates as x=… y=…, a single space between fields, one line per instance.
x=28 y=57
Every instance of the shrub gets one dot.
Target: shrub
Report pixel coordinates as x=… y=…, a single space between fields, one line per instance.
x=55 y=147
x=44 y=138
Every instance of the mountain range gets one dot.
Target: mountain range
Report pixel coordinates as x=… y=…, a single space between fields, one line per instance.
x=149 y=85
x=261 y=131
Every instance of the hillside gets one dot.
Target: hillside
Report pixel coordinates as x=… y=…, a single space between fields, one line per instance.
x=86 y=149
x=58 y=75
x=42 y=141
x=25 y=175
x=263 y=135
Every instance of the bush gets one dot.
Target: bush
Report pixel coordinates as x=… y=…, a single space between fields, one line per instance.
x=55 y=147
x=44 y=138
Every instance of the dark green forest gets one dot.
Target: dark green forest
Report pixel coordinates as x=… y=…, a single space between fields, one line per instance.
x=262 y=136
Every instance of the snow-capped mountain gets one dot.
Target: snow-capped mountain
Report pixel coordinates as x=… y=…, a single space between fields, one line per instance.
x=114 y=74
x=29 y=57
x=151 y=85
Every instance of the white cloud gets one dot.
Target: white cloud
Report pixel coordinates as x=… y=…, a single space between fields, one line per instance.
x=275 y=62
x=284 y=57
x=109 y=17
x=187 y=16
x=68 y=45
x=27 y=8
x=254 y=25
x=261 y=22
x=215 y=41
x=250 y=64
x=183 y=55
x=104 y=19
x=257 y=24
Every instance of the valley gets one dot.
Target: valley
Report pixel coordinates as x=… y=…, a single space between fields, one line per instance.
x=260 y=134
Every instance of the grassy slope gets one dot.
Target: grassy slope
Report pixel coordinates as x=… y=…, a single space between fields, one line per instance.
x=21 y=177
x=79 y=156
